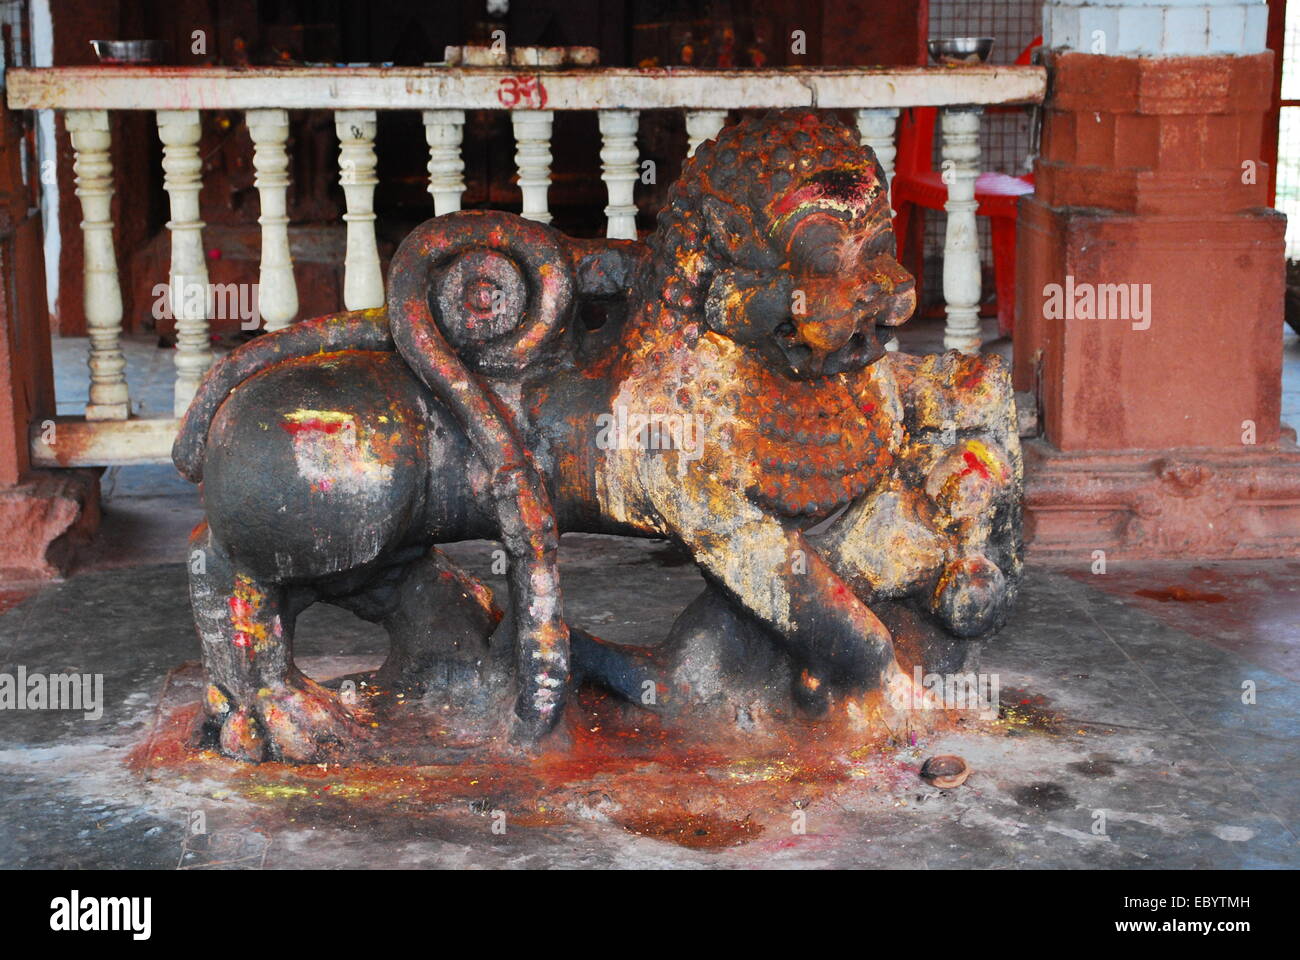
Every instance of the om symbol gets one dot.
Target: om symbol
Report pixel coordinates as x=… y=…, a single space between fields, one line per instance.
x=521 y=91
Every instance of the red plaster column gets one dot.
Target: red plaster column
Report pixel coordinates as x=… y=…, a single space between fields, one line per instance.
x=43 y=513
x=1160 y=431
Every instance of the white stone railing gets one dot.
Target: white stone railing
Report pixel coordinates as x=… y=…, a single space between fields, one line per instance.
x=109 y=435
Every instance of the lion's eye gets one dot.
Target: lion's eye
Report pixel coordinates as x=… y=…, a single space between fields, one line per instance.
x=881 y=244
x=815 y=246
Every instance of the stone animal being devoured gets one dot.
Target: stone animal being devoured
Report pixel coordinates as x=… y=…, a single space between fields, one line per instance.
x=335 y=454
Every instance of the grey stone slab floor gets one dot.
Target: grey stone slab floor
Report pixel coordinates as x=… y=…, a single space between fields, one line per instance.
x=1151 y=759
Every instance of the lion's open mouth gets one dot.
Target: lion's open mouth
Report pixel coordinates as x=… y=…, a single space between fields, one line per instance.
x=863 y=348
x=804 y=363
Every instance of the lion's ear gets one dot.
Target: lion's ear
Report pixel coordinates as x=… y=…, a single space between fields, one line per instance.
x=732 y=236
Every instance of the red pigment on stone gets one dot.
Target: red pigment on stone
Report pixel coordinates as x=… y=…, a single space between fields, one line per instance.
x=319 y=426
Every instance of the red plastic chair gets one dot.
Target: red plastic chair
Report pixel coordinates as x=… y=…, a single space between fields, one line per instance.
x=918 y=184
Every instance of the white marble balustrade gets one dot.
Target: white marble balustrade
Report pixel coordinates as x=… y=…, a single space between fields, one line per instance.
x=363 y=281
x=961 y=243
x=187 y=278
x=93 y=168
x=277 y=293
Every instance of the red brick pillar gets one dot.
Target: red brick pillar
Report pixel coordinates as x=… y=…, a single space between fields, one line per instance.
x=1149 y=314
x=43 y=513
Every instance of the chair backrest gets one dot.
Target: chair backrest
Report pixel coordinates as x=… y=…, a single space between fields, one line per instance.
x=1027 y=55
x=916 y=128
x=915 y=141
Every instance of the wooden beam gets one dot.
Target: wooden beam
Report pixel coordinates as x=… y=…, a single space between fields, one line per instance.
x=77 y=442
x=515 y=88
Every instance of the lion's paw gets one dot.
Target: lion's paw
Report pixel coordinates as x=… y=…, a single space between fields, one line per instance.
x=241 y=737
x=304 y=723
x=970 y=596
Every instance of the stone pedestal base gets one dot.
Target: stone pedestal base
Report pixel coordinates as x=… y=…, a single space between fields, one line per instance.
x=43 y=520
x=1176 y=504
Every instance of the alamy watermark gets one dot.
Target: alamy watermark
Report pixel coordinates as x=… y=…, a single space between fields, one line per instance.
x=1098 y=301
x=978 y=693
x=214 y=301
x=75 y=913
x=57 y=691
x=624 y=430
x=207 y=849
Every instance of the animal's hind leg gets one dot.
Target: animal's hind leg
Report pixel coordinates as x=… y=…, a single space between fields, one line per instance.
x=259 y=704
x=227 y=664
x=440 y=624
x=439 y=621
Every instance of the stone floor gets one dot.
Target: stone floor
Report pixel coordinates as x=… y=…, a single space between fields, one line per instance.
x=1123 y=741
x=1149 y=718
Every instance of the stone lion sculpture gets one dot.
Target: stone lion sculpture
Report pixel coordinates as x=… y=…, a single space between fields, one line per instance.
x=738 y=397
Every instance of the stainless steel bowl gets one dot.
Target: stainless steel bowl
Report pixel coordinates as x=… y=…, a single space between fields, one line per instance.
x=961 y=49
x=128 y=51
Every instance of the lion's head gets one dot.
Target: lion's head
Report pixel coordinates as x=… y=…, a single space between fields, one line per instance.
x=780 y=229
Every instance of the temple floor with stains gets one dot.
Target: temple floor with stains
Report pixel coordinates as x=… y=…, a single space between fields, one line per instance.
x=1121 y=705
x=1148 y=718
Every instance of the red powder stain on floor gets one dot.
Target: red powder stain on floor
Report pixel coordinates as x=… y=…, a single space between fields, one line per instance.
x=616 y=764
x=696 y=831
x=11 y=598
x=1181 y=595
x=168 y=745
x=1257 y=619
